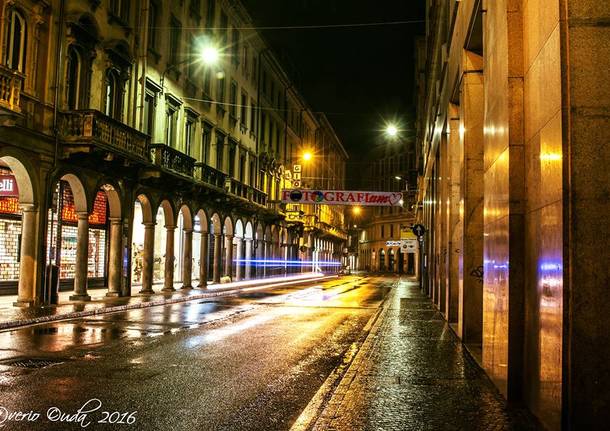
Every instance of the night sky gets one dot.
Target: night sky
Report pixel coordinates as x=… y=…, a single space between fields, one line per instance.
x=360 y=76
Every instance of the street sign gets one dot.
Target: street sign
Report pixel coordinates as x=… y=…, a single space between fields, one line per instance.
x=392 y=243
x=408 y=246
x=419 y=230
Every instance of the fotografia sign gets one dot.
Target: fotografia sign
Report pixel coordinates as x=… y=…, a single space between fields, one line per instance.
x=341 y=197
x=8 y=186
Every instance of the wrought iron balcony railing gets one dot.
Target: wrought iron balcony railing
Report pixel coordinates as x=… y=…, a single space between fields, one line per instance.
x=209 y=175
x=171 y=159
x=97 y=130
x=10 y=89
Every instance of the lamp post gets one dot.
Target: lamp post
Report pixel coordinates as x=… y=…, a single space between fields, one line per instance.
x=209 y=55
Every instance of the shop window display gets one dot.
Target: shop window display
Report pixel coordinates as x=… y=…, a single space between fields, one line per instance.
x=96 y=267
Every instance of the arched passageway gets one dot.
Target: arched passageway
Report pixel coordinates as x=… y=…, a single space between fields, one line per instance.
x=19 y=230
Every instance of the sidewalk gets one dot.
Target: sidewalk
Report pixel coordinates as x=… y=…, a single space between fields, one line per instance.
x=12 y=317
x=412 y=373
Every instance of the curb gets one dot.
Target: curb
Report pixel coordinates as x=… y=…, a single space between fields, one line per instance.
x=113 y=309
x=320 y=410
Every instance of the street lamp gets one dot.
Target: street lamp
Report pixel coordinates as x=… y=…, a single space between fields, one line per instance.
x=210 y=55
x=356 y=210
x=391 y=130
x=307 y=156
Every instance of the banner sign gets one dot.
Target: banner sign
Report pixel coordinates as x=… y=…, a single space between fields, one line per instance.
x=8 y=186
x=342 y=197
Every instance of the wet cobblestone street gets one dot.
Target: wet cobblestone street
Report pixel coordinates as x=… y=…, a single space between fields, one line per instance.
x=412 y=373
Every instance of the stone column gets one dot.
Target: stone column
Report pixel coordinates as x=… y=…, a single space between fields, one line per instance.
x=148 y=257
x=266 y=256
x=27 y=262
x=82 y=254
x=470 y=321
x=187 y=259
x=114 y=257
x=284 y=254
x=239 y=268
x=228 y=269
x=248 y=267
x=217 y=257
x=203 y=260
x=168 y=285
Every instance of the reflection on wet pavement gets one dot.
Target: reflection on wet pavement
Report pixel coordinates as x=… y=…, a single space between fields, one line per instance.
x=250 y=361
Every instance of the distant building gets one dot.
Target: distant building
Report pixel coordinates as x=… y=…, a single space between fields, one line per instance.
x=380 y=229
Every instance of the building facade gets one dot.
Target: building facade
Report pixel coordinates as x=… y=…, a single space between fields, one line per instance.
x=512 y=134
x=127 y=162
x=381 y=229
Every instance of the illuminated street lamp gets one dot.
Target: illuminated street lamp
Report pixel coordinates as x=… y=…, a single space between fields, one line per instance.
x=391 y=130
x=307 y=156
x=210 y=55
x=356 y=210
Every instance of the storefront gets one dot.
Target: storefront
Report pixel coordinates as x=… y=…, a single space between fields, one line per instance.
x=63 y=231
x=10 y=232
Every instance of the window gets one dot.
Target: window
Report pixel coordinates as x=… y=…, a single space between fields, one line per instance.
x=232 y=154
x=254 y=69
x=149 y=114
x=73 y=78
x=189 y=130
x=233 y=100
x=220 y=94
x=190 y=65
x=171 y=124
x=174 y=39
x=113 y=94
x=246 y=60
x=15 y=41
x=382 y=231
x=235 y=47
x=120 y=8
x=153 y=15
x=242 y=167
x=252 y=173
x=224 y=28
x=220 y=148
x=209 y=18
x=207 y=82
x=206 y=137
x=253 y=116
x=243 y=116
x=391 y=231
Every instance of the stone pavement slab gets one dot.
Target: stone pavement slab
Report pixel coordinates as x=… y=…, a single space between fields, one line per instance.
x=412 y=373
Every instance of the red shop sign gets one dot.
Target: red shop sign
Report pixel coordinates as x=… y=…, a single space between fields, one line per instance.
x=8 y=186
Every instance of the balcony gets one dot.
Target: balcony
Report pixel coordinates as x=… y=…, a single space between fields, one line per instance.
x=258 y=197
x=210 y=176
x=94 y=130
x=170 y=159
x=10 y=89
